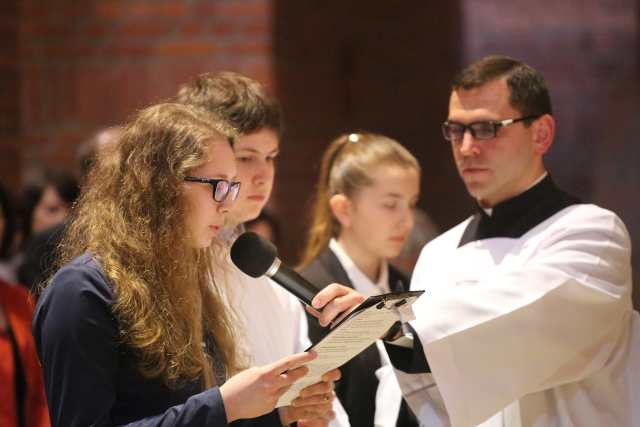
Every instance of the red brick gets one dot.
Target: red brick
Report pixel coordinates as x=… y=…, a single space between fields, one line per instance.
x=97 y=30
x=144 y=9
x=147 y=28
x=186 y=48
x=45 y=28
x=234 y=8
x=125 y=49
x=193 y=28
x=248 y=48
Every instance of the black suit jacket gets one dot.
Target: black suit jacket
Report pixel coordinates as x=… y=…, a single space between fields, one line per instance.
x=357 y=388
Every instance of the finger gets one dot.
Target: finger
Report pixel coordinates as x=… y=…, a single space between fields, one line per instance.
x=343 y=304
x=328 y=293
x=322 y=411
x=312 y=311
x=317 y=388
x=280 y=391
x=316 y=411
x=332 y=375
x=317 y=399
x=290 y=362
x=315 y=422
x=290 y=377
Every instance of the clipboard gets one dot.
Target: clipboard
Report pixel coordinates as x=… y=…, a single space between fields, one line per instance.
x=353 y=333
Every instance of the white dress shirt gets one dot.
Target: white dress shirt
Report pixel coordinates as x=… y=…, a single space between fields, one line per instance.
x=388 y=394
x=274 y=321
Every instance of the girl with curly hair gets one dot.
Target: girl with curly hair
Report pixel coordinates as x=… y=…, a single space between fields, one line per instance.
x=133 y=328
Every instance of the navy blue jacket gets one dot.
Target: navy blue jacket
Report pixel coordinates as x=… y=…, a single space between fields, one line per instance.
x=91 y=378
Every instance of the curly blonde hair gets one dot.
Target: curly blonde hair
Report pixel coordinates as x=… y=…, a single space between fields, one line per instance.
x=131 y=218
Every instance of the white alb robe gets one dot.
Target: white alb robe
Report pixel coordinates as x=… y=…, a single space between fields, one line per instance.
x=530 y=331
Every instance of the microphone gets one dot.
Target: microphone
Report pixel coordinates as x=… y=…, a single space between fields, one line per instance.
x=257 y=257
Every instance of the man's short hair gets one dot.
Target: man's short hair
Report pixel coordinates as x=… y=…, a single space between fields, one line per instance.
x=529 y=93
x=241 y=101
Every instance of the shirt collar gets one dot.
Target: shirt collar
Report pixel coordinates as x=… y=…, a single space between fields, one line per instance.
x=489 y=211
x=514 y=217
x=359 y=280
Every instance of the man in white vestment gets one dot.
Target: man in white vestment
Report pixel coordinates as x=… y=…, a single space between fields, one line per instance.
x=527 y=317
x=274 y=320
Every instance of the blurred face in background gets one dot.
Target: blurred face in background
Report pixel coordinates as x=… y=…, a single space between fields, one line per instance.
x=50 y=210
x=255 y=156
x=377 y=220
x=3 y=223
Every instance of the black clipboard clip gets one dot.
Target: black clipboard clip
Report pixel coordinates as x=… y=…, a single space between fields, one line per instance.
x=390 y=301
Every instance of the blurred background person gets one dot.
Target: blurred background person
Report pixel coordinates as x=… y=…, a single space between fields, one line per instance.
x=51 y=205
x=53 y=200
x=423 y=231
x=8 y=227
x=23 y=401
x=363 y=214
x=46 y=206
x=89 y=149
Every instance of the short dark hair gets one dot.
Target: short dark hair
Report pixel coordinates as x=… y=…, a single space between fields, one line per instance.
x=65 y=184
x=529 y=93
x=241 y=101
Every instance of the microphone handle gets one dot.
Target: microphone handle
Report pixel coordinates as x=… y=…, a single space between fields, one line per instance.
x=295 y=283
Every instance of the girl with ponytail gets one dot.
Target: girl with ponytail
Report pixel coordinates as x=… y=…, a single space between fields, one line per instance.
x=363 y=213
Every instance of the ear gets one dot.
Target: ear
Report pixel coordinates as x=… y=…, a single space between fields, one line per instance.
x=543 y=133
x=341 y=209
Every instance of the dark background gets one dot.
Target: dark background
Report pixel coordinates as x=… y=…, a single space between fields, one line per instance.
x=68 y=68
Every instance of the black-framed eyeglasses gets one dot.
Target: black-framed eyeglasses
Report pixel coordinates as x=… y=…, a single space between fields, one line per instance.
x=222 y=188
x=454 y=131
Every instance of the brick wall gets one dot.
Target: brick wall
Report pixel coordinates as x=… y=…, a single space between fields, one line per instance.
x=69 y=67
x=89 y=64
x=10 y=90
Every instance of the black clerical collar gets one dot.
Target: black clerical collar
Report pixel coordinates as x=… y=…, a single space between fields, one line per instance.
x=514 y=217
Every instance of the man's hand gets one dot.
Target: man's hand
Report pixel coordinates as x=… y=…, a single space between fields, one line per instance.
x=335 y=300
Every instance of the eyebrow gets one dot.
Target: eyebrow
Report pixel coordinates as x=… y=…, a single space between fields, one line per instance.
x=484 y=119
x=219 y=176
x=399 y=196
x=253 y=150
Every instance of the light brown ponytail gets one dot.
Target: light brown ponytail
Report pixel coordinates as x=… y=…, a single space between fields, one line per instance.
x=345 y=169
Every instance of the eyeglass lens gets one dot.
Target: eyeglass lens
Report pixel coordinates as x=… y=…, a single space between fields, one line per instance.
x=224 y=189
x=479 y=130
x=220 y=190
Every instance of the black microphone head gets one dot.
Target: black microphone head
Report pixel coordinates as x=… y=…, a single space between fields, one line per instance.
x=252 y=254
